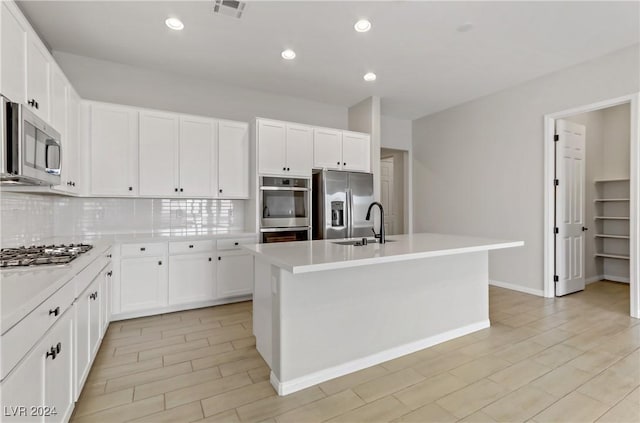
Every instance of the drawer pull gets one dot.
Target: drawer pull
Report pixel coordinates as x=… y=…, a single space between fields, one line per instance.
x=219 y=258
x=93 y=295
x=55 y=311
x=51 y=353
x=110 y=273
x=236 y=243
x=159 y=263
x=190 y=246
x=143 y=249
x=58 y=348
x=209 y=258
x=108 y=255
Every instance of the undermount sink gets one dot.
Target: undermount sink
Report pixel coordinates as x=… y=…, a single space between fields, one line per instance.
x=358 y=242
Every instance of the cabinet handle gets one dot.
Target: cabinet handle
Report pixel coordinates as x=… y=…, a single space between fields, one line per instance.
x=190 y=246
x=130 y=188
x=110 y=273
x=288 y=169
x=344 y=164
x=59 y=348
x=37 y=105
x=220 y=190
x=209 y=258
x=108 y=255
x=284 y=168
x=93 y=295
x=338 y=163
x=236 y=243
x=51 y=353
x=32 y=102
x=143 y=248
x=175 y=189
x=181 y=190
x=219 y=258
x=73 y=184
x=160 y=263
x=55 y=311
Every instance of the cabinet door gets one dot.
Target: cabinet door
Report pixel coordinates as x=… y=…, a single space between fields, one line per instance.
x=82 y=353
x=235 y=274
x=94 y=295
x=272 y=147
x=58 y=369
x=13 y=47
x=197 y=156
x=356 y=151
x=299 y=150
x=105 y=302
x=327 y=149
x=233 y=159
x=143 y=283
x=59 y=87
x=114 y=150
x=24 y=387
x=191 y=278
x=158 y=154
x=37 y=77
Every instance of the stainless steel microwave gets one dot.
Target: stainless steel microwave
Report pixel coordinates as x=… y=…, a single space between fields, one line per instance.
x=30 y=148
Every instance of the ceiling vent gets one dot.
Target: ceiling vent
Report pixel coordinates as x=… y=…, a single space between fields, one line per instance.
x=232 y=8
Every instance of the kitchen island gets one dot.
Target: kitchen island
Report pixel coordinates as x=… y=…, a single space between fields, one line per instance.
x=323 y=309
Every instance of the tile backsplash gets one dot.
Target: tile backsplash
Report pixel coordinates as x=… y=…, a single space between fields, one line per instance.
x=28 y=218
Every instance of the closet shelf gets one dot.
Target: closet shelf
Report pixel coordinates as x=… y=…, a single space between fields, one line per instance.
x=612 y=236
x=611 y=217
x=598 y=200
x=597 y=180
x=613 y=256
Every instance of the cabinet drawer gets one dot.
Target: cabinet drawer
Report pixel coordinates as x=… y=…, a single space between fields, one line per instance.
x=186 y=247
x=233 y=243
x=18 y=340
x=89 y=273
x=144 y=249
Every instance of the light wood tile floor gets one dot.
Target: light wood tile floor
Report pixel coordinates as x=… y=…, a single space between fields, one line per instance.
x=575 y=358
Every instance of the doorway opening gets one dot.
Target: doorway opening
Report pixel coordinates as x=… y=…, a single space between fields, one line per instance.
x=591 y=198
x=394 y=191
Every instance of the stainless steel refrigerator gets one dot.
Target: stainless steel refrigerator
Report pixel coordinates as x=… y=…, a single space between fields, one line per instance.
x=340 y=203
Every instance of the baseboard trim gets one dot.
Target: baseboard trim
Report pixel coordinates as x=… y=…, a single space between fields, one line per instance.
x=519 y=288
x=180 y=307
x=593 y=279
x=297 y=384
x=613 y=278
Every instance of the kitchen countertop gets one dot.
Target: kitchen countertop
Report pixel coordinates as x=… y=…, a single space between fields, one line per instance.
x=314 y=256
x=22 y=289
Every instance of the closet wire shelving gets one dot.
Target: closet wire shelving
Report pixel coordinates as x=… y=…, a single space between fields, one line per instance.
x=604 y=217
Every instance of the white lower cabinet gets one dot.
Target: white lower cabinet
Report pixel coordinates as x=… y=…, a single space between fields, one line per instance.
x=58 y=371
x=235 y=274
x=191 y=278
x=143 y=283
x=41 y=387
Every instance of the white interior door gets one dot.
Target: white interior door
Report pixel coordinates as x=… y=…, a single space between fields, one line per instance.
x=570 y=207
x=387 y=195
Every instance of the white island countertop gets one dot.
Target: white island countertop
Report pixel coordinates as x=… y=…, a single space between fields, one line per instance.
x=314 y=256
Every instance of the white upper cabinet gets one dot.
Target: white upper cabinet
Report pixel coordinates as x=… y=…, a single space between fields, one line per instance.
x=272 y=147
x=299 y=150
x=114 y=150
x=59 y=88
x=13 y=47
x=233 y=159
x=327 y=149
x=198 y=155
x=341 y=150
x=356 y=150
x=159 y=134
x=284 y=148
x=38 y=70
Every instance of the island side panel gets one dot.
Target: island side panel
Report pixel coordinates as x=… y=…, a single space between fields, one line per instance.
x=262 y=308
x=336 y=322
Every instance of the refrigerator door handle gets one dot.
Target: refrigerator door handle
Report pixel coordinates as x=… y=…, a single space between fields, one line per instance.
x=350 y=213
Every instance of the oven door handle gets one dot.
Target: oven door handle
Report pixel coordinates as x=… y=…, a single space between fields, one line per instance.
x=295 y=228
x=267 y=188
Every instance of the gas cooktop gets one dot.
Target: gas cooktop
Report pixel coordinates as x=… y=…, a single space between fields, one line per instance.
x=41 y=254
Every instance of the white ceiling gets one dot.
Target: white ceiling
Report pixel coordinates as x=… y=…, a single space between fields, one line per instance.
x=423 y=63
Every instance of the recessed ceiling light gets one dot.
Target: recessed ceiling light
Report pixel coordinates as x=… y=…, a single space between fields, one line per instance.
x=465 y=27
x=288 y=54
x=174 y=23
x=370 y=76
x=362 y=25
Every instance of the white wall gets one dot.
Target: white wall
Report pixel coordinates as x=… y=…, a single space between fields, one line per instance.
x=478 y=167
x=123 y=84
x=395 y=133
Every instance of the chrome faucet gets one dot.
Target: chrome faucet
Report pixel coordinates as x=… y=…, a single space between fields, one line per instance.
x=379 y=235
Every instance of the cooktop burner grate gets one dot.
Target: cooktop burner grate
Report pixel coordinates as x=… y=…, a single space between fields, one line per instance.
x=41 y=254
